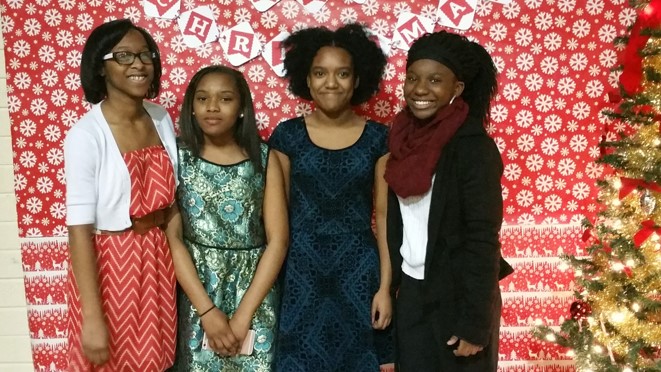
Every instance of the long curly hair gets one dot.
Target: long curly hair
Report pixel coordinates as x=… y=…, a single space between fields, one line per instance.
x=367 y=57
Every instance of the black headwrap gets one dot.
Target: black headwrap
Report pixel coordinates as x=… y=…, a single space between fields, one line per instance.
x=441 y=47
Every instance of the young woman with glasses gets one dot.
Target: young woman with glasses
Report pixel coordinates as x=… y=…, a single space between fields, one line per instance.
x=120 y=166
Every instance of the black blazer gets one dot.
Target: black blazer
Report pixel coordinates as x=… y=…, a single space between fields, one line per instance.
x=462 y=265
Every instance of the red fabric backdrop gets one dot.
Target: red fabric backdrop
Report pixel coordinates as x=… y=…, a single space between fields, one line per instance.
x=554 y=59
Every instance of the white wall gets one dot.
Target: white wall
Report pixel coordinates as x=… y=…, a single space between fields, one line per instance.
x=15 y=353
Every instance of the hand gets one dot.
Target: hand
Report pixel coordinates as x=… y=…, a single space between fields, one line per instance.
x=465 y=348
x=240 y=327
x=94 y=339
x=381 y=309
x=221 y=338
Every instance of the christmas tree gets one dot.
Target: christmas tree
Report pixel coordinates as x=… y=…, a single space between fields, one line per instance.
x=615 y=323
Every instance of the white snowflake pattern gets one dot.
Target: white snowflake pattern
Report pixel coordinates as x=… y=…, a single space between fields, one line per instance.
x=578 y=61
x=290 y=9
x=28 y=127
x=33 y=232
x=21 y=48
x=262 y=120
x=84 y=22
x=543 y=21
x=52 y=17
x=525 y=142
x=55 y=156
x=523 y=37
x=69 y=118
x=549 y=65
x=552 y=123
x=59 y=97
x=581 y=190
x=549 y=146
x=348 y=15
x=593 y=170
x=73 y=58
x=371 y=7
x=58 y=210
x=578 y=143
x=52 y=133
x=38 y=106
x=566 y=86
x=534 y=162
x=499 y=113
x=534 y=82
x=581 y=110
x=544 y=183
x=512 y=171
x=34 y=205
x=566 y=167
x=552 y=41
x=553 y=203
x=32 y=27
x=242 y=15
x=20 y=182
x=525 y=61
x=399 y=8
x=22 y=80
x=44 y=185
x=64 y=38
x=269 y=19
x=524 y=118
x=524 y=198
x=60 y=230
x=382 y=108
x=272 y=100
x=607 y=33
x=511 y=10
x=256 y=73
x=498 y=32
x=544 y=102
x=178 y=76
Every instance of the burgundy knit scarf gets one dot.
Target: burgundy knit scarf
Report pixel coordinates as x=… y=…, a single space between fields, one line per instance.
x=415 y=147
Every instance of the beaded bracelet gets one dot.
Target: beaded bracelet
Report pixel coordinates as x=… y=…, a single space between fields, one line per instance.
x=205 y=313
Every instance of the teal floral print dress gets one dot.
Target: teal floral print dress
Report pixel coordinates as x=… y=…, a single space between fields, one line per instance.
x=221 y=209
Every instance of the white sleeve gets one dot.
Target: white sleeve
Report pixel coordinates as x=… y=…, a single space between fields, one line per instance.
x=80 y=152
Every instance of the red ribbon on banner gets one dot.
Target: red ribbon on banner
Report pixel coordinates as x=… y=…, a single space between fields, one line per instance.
x=630 y=184
x=649 y=228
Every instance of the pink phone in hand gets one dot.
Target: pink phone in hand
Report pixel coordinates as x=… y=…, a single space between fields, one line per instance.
x=246 y=347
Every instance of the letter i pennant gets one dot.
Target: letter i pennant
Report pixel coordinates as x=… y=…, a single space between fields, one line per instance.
x=198 y=26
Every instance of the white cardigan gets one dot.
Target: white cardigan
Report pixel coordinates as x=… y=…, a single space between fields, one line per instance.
x=98 y=189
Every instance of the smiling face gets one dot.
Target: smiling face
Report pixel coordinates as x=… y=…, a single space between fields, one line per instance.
x=217 y=106
x=429 y=86
x=131 y=80
x=331 y=80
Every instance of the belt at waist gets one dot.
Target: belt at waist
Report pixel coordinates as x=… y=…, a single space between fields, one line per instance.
x=141 y=225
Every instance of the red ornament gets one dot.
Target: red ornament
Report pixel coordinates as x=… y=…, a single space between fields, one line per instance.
x=579 y=310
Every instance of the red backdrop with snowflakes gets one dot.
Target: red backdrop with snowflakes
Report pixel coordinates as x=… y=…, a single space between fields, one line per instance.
x=554 y=58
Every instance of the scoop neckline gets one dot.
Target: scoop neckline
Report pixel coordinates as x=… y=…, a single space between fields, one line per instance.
x=307 y=135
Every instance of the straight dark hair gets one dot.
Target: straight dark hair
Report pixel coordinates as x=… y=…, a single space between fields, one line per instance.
x=245 y=128
x=99 y=43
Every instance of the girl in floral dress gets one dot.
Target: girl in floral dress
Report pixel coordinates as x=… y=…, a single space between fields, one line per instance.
x=229 y=234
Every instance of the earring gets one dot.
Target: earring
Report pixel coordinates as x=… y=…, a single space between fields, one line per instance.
x=452 y=100
x=241 y=116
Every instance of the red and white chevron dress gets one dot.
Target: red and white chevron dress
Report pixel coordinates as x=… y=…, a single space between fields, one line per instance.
x=136 y=279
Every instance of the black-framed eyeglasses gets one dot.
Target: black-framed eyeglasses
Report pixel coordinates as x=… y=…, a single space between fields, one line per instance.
x=127 y=58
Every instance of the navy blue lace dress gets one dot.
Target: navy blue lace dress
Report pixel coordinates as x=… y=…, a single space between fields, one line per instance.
x=332 y=269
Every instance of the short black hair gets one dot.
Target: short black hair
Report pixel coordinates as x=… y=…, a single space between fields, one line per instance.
x=470 y=62
x=367 y=58
x=245 y=128
x=100 y=42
